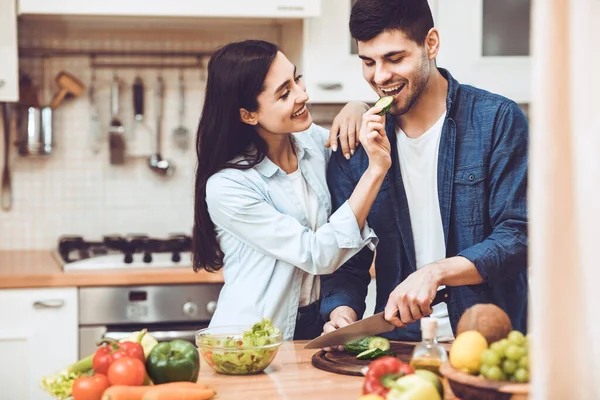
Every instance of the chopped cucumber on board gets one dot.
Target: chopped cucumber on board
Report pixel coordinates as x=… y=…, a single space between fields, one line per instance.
x=369 y=342
x=374 y=353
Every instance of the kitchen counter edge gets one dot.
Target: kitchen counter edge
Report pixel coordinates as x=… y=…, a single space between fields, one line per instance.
x=23 y=269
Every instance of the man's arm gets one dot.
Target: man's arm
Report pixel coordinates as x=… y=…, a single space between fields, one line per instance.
x=503 y=254
x=348 y=285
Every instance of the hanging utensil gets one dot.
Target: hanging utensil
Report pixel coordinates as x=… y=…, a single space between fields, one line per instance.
x=95 y=127
x=156 y=162
x=141 y=133
x=68 y=85
x=116 y=131
x=6 y=196
x=181 y=134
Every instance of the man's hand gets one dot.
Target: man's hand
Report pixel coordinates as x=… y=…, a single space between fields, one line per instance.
x=338 y=318
x=411 y=300
x=346 y=126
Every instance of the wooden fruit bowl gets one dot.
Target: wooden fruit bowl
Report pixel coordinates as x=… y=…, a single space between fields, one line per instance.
x=471 y=387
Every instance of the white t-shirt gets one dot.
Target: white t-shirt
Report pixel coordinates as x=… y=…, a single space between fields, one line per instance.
x=311 y=284
x=418 y=165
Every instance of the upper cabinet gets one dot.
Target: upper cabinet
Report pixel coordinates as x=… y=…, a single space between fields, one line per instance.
x=331 y=67
x=485 y=43
x=175 y=8
x=330 y=63
x=9 y=88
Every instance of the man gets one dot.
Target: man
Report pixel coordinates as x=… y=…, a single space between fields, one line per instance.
x=453 y=208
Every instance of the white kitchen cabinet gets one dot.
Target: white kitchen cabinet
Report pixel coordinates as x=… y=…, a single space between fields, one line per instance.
x=175 y=8
x=485 y=43
x=9 y=87
x=38 y=336
x=331 y=67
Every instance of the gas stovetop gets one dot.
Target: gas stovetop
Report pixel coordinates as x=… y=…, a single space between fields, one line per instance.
x=124 y=252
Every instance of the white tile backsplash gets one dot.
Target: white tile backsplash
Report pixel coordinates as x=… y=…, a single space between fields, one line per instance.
x=74 y=190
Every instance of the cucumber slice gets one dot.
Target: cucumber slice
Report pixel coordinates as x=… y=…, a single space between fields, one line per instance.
x=386 y=103
x=369 y=354
x=379 y=343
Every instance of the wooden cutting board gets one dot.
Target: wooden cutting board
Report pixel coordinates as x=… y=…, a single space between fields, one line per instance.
x=342 y=362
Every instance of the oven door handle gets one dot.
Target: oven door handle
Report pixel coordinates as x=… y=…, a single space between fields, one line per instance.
x=161 y=336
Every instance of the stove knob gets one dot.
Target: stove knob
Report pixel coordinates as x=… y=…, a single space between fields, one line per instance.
x=128 y=258
x=190 y=309
x=147 y=258
x=211 y=307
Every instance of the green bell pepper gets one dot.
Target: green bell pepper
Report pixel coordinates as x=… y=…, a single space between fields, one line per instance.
x=174 y=361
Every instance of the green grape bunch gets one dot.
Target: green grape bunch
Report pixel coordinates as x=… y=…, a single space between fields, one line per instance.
x=507 y=359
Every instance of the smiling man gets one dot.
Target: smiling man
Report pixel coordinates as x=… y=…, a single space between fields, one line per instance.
x=453 y=208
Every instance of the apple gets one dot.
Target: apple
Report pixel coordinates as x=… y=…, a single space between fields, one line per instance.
x=413 y=387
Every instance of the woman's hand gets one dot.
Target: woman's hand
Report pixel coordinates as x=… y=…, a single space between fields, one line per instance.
x=375 y=141
x=346 y=125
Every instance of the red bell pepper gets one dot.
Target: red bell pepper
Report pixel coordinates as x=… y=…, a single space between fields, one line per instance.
x=110 y=350
x=382 y=373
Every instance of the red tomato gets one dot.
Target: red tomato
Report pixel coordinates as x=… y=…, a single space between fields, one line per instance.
x=89 y=387
x=127 y=371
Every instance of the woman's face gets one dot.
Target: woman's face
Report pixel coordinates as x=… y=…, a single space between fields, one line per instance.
x=282 y=104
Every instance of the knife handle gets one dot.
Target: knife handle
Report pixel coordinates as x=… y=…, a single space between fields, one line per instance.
x=442 y=296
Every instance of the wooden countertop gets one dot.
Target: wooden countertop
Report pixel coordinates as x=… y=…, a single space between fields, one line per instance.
x=291 y=376
x=39 y=268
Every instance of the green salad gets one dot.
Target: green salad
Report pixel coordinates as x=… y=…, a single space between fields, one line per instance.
x=244 y=354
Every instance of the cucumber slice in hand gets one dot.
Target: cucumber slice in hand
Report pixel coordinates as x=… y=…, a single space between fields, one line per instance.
x=385 y=102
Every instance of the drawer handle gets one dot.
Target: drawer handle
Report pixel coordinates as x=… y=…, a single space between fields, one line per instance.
x=290 y=8
x=40 y=305
x=2 y=81
x=331 y=86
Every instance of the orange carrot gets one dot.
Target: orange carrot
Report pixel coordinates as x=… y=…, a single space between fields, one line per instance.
x=120 y=392
x=179 y=393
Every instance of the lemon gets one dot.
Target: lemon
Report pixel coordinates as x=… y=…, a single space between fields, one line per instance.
x=465 y=353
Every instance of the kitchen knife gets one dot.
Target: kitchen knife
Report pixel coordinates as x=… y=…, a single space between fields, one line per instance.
x=370 y=326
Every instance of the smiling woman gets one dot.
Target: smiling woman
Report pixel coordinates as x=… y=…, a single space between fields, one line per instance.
x=262 y=208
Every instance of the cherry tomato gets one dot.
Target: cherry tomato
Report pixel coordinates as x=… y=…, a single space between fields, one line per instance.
x=127 y=371
x=90 y=387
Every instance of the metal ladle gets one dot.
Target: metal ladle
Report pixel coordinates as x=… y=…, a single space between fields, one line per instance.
x=156 y=162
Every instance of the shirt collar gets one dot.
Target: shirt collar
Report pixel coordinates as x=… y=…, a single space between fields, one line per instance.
x=268 y=168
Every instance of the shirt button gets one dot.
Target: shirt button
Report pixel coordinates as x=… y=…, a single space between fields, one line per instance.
x=471 y=177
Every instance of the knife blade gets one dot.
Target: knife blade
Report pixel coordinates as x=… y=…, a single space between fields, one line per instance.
x=373 y=325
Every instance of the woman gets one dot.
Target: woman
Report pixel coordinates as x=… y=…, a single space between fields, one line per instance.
x=262 y=203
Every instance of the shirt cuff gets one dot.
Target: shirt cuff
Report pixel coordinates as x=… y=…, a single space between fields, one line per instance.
x=346 y=231
x=331 y=302
x=482 y=256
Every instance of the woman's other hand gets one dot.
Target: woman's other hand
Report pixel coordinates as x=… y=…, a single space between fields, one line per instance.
x=346 y=125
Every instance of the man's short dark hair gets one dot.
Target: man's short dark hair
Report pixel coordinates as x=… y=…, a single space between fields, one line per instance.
x=370 y=18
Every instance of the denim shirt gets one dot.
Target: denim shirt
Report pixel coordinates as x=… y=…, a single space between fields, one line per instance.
x=482 y=190
x=265 y=237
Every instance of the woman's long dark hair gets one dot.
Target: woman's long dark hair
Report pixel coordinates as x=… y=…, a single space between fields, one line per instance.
x=236 y=75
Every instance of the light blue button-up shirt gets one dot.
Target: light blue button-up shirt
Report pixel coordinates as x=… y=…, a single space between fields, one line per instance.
x=265 y=237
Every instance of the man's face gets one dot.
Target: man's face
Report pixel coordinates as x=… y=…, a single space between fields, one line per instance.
x=395 y=65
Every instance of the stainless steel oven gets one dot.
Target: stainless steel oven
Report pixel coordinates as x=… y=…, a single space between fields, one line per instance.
x=167 y=311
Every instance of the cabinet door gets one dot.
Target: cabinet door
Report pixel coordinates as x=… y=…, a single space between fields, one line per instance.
x=8 y=52
x=183 y=8
x=38 y=336
x=331 y=67
x=485 y=43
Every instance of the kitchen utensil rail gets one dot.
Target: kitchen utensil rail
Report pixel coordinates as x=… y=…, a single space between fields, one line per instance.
x=47 y=52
